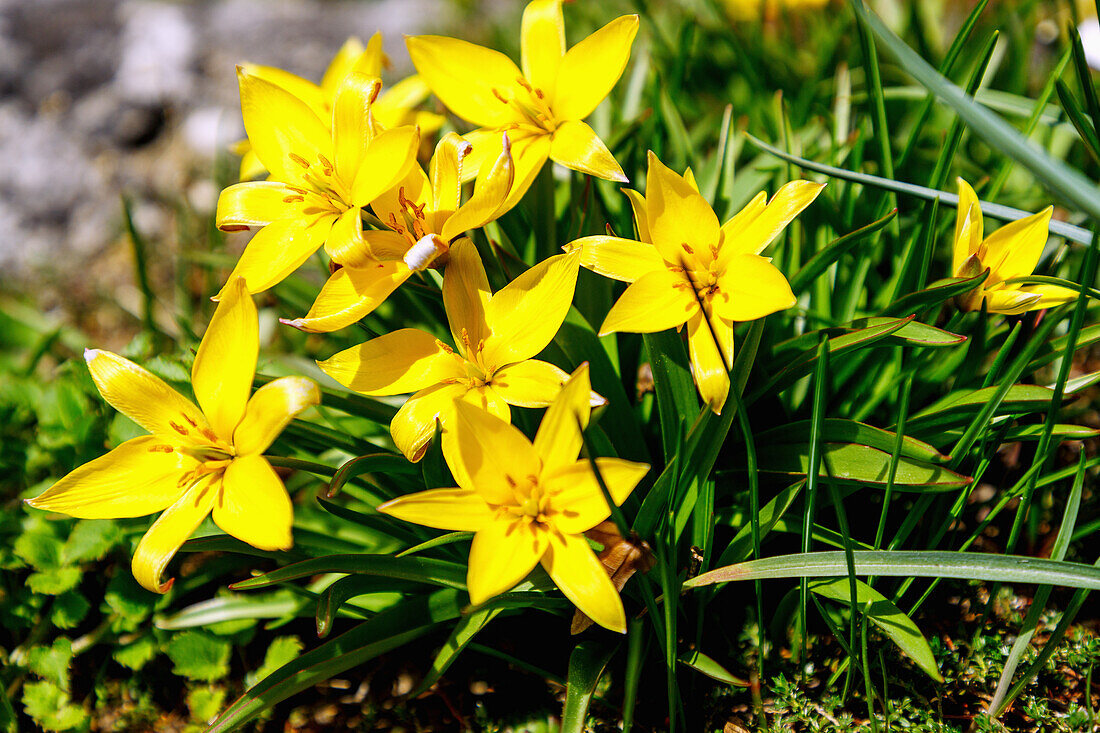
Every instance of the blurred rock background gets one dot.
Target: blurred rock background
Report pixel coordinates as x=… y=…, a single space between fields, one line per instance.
x=101 y=99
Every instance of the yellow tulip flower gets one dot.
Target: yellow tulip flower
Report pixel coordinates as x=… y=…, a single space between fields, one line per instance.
x=529 y=503
x=491 y=364
x=688 y=269
x=424 y=215
x=396 y=104
x=199 y=459
x=1011 y=251
x=321 y=176
x=541 y=107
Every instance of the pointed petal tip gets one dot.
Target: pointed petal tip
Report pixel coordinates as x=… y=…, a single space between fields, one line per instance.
x=90 y=355
x=295 y=323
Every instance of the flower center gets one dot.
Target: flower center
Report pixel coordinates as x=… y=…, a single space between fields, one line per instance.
x=530 y=104
x=531 y=500
x=327 y=193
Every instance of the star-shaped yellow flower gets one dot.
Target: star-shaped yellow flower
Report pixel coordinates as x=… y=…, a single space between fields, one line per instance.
x=396 y=104
x=198 y=460
x=425 y=215
x=1011 y=251
x=321 y=175
x=529 y=503
x=491 y=365
x=689 y=269
x=541 y=107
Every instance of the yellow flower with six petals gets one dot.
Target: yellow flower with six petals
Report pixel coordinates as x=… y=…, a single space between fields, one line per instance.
x=689 y=269
x=1011 y=251
x=491 y=366
x=396 y=104
x=541 y=107
x=423 y=215
x=199 y=459
x=321 y=176
x=529 y=503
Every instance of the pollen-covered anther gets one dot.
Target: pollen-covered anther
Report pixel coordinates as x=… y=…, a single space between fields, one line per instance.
x=298 y=159
x=178 y=428
x=424 y=252
x=687 y=248
x=498 y=95
x=160 y=448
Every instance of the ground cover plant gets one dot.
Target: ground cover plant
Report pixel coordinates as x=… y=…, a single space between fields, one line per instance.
x=712 y=367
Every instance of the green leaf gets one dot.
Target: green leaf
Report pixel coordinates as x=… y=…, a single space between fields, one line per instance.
x=370 y=463
x=462 y=634
x=91 y=539
x=199 y=656
x=54 y=581
x=836 y=249
x=68 y=610
x=672 y=382
x=1065 y=181
x=50 y=707
x=388 y=630
x=898 y=627
x=860 y=464
x=920 y=564
x=586 y=666
x=128 y=600
x=282 y=651
x=52 y=663
x=705 y=665
x=955 y=409
x=935 y=294
x=137 y=653
x=205 y=702
x=343 y=589
x=840 y=430
x=40 y=550
x=420 y=569
x=281 y=604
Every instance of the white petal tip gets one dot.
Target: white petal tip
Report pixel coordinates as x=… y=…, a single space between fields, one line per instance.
x=90 y=354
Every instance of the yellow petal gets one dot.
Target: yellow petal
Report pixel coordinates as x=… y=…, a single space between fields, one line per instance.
x=709 y=367
x=525 y=314
x=146 y=399
x=576 y=145
x=253 y=204
x=226 y=360
x=558 y=440
x=456 y=510
x=279 y=249
x=577 y=504
x=503 y=552
x=1050 y=295
x=385 y=245
x=253 y=505
x=352 y=56
x=620 y=259
x=251 y=167
x=656 y=301
x=542 y=43
x=303 y=89
x=464 y=75
x=731 y=244
x=270 y=409
x=345 y=243
x=485 y=147
x=466 y=295
x=1014 y=249
x=405 y=360
x=575 y=569
x=681 y=223
x=445 y=172
x=641 y=219
x=394 y=104
x=491 y=191
x=529 y=154
x=757 y=233
x=751 y=287
x=413 y=427
x=139 y=477
x=1011 y=302
x=968 y=225
x=352 y=132
x=171 y=530
x=530 y=383
x=350 y=294
x=280 y=125
x=384 y=163
x=490 y=456
x=592 y=67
